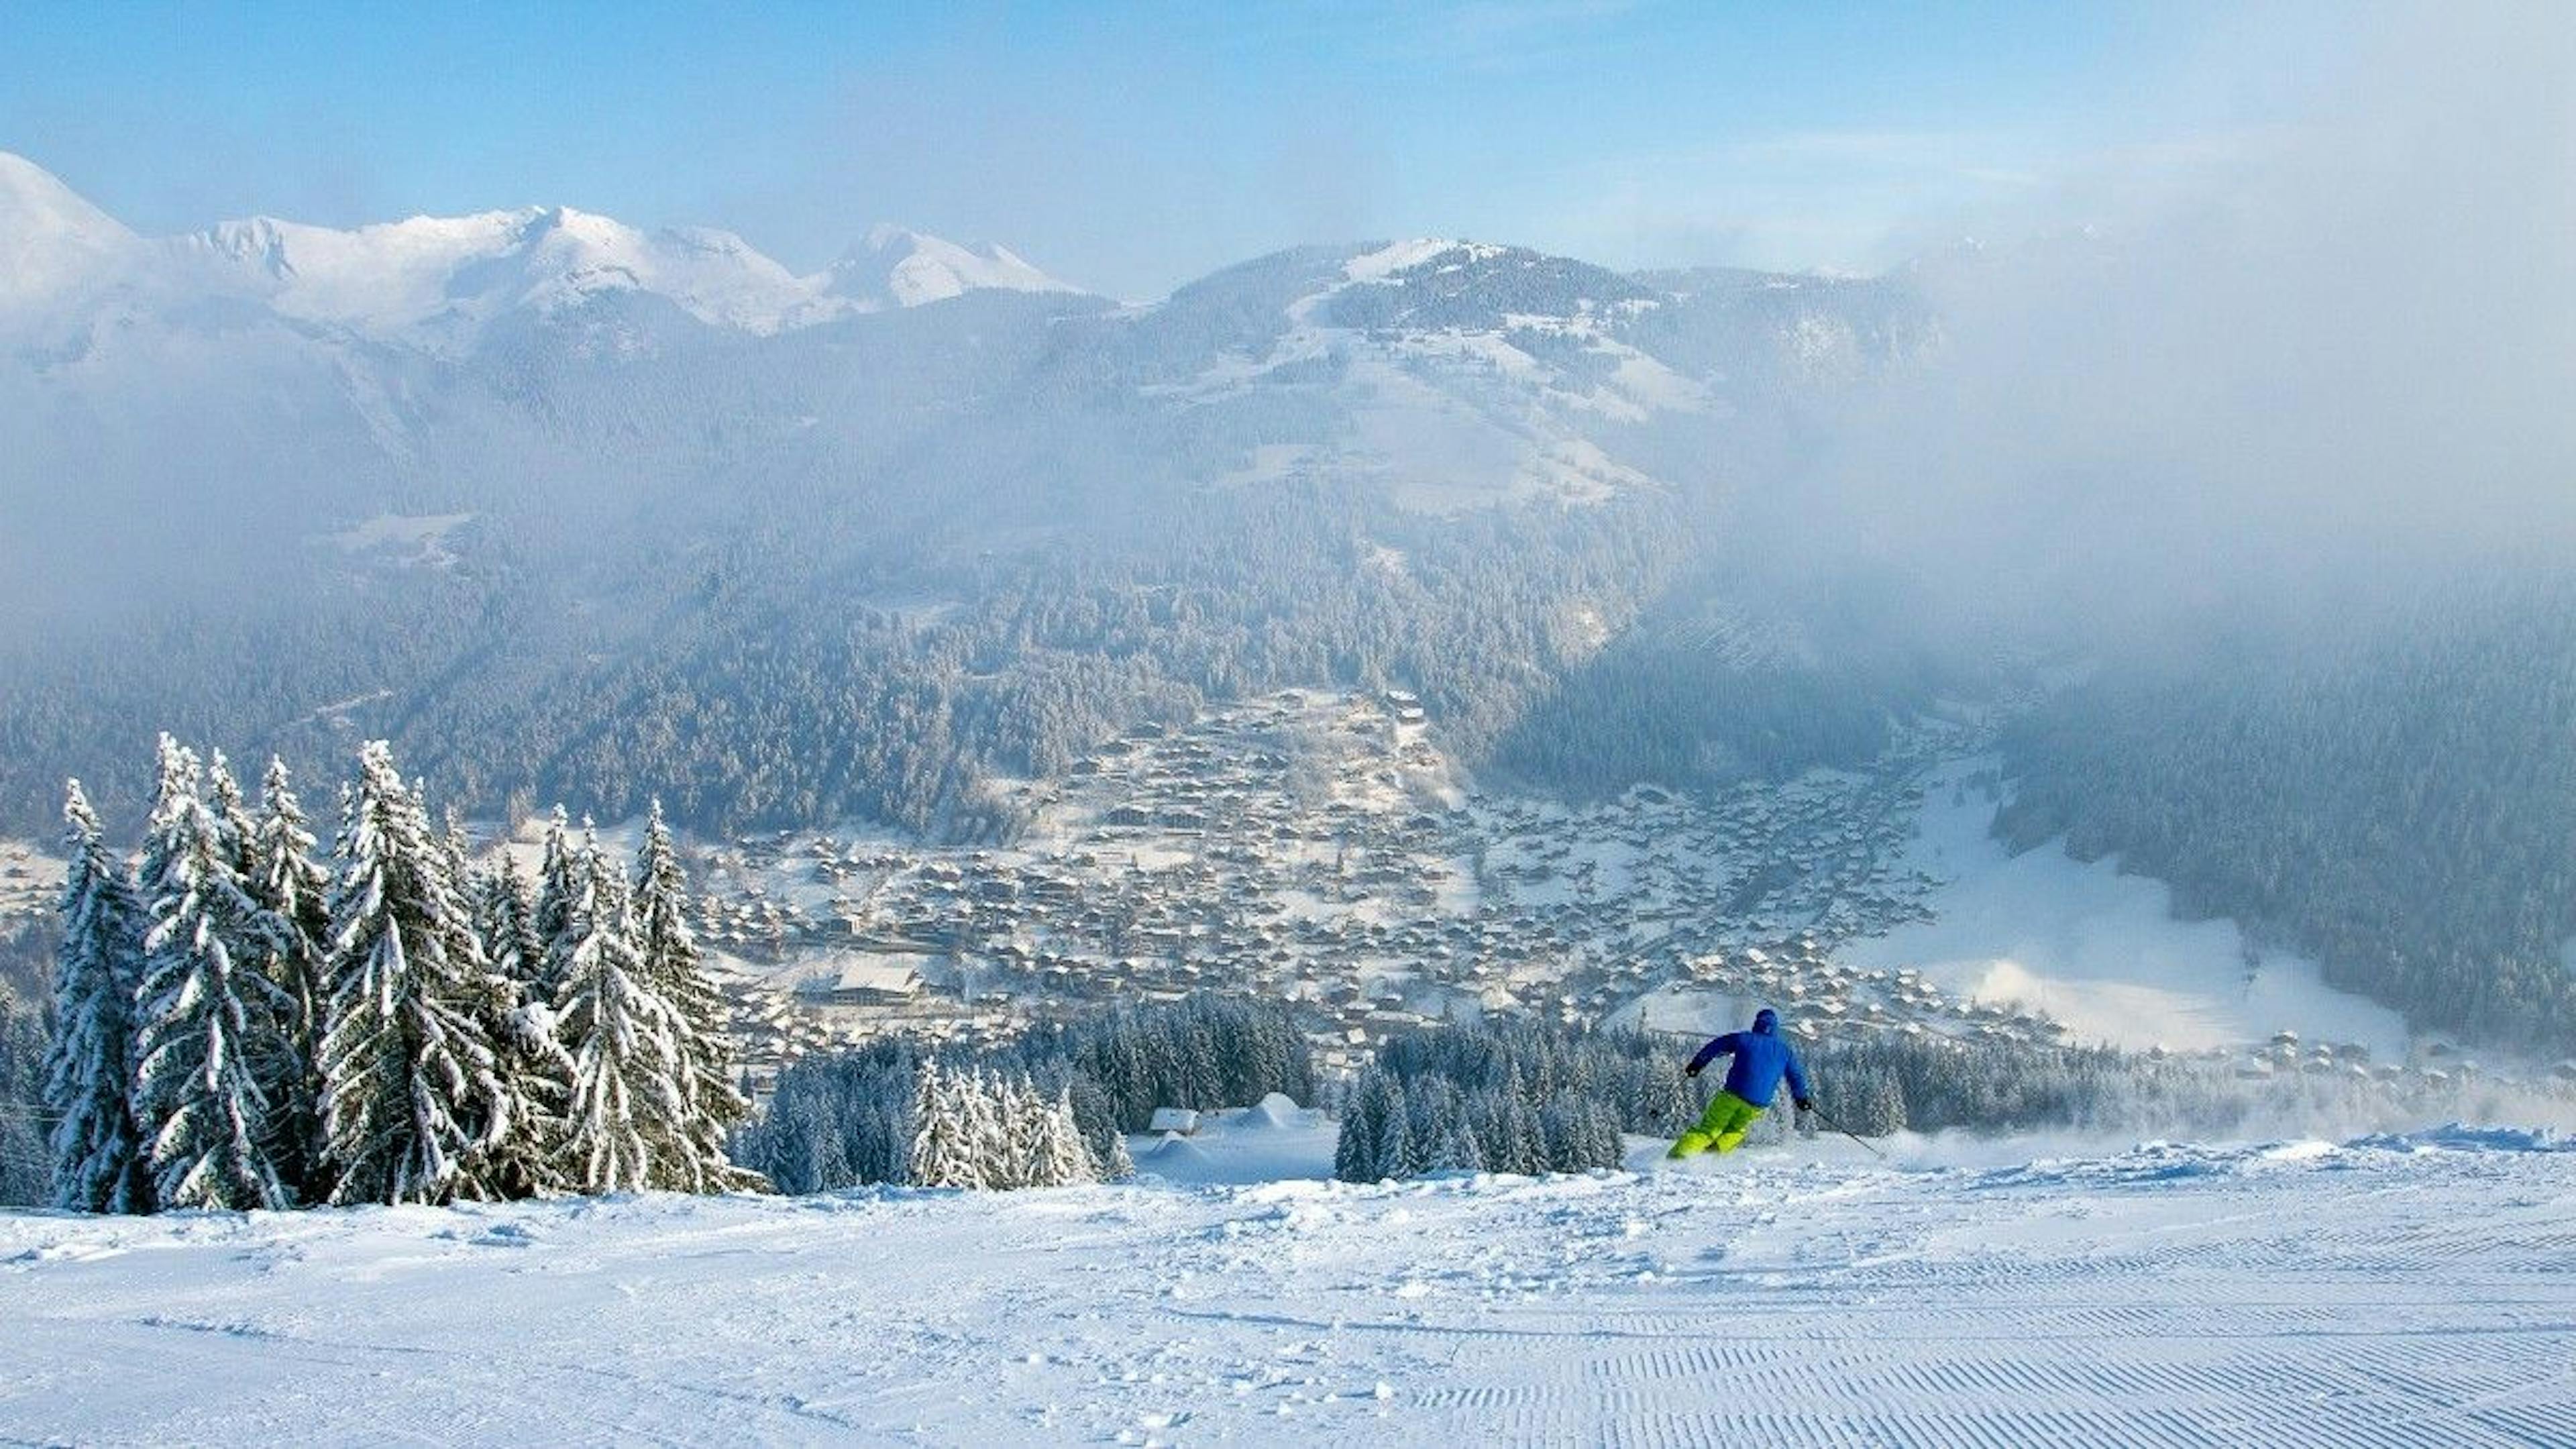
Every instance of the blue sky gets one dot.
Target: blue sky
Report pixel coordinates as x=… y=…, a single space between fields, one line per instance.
x=1129 y=147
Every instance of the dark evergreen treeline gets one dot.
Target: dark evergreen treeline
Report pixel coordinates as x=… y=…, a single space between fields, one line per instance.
x=1937 y=1084
x=2396 y=799
x=1509 y=1096
x=1893 y=1083
x=1525 y=1096
x=854 y=1117
x=239 y=1024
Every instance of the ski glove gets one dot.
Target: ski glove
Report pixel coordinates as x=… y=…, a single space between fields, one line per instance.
x=1691 y=1071
x=1804 y=1104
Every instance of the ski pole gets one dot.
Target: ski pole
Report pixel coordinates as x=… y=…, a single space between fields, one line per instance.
x=1846 y=1131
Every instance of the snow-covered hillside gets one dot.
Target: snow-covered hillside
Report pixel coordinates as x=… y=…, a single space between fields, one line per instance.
x=2099 y=950
x=2391 y=1291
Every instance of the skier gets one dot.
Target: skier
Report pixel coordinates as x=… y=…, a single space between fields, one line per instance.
x=1761 y=1059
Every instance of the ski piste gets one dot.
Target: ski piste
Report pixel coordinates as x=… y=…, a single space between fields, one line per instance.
x=2382 y=1291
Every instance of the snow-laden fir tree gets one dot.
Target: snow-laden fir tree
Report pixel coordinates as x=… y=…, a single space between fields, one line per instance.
x=1519 y=1146
x=954 y=1136
x=233 y=822
x=1061 y=1160
x=1043 y=1144
x=535 y=1156
x=628 y=1118
x=414 y=1099
x=205 y=1017
x=978 y=1103
x=959 y=1130
x=292 y=890
x=26 y=1157
x=1116 y=1165
x=456 y=849
x=505 y=922
x=1022 y=1131
x=560 y=888
x=98 y=1153
x=672 y=965
x=1361 y=1142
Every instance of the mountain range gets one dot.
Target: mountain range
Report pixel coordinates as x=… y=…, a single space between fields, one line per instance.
x=573 y=511
x=438 y=283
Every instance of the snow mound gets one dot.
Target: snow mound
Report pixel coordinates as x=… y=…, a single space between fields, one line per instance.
x=1277 y=1112
x=1174 y=1152
x=1274 y=1141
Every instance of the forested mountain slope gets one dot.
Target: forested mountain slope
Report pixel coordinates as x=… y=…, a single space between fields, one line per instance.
x=2393 y=795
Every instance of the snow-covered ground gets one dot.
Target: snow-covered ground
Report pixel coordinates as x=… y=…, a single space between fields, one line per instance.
x=2096 y=949
x=2385 y=1292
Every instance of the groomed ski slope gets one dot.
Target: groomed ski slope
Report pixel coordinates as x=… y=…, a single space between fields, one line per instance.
x=2391 y=1291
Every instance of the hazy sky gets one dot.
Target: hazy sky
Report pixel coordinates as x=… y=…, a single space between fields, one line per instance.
x=1133 y=147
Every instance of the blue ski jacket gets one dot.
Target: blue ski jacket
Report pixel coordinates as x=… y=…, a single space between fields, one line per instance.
x=1761 y=1060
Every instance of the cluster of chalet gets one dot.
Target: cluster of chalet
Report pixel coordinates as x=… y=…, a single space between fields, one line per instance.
x=28 y=884
x=1314 y=848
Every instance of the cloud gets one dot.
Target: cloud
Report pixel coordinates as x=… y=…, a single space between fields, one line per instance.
x=1799 y=200
x=2323 y=357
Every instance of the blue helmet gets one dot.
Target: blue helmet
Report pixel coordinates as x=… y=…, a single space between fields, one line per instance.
x=1766 y=1021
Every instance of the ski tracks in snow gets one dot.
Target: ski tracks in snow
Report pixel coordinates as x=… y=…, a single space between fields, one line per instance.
x=2393 y=1292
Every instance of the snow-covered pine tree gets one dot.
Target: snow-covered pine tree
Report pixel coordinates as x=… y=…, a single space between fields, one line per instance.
x=1023 y=1126
x=26 y=1157
x=99 y=1156
x=943 y=1151
x=1110 y=1156
x=1458 y=1151
x=1522 y=1148
x=559 y=891
x=456 y=848
x=292 y=890
x=505 y=922
x=1355 y=1143
x=532 y=1159
x=205 y=1018
x=987 y=1133
x=1381 y=1115
x=233 y=821
x=1063 y=1159
x=627 y=1121
x=413 y=1092
x=672 y=964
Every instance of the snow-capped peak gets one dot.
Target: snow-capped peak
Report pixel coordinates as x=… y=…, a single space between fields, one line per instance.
x=52 y=242
x=440 y=281
x=894 y=267
x=453 y=273
x=1380 y=262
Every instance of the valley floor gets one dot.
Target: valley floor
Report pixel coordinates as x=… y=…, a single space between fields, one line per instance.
x=2391 y=1291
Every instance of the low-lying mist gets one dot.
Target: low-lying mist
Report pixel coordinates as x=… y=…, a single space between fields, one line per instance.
x=2298 y=368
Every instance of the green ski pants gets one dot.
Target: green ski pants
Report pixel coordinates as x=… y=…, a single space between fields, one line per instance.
x=1721 y=1127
